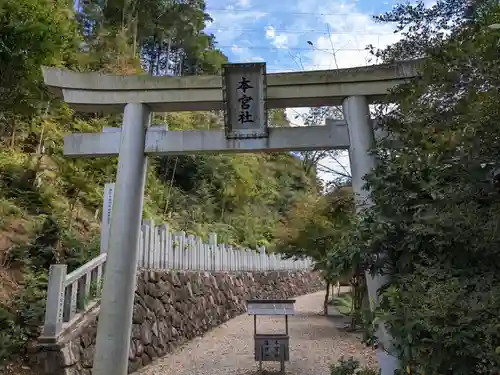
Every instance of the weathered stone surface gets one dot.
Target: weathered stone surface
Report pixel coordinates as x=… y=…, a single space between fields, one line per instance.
x=88 y=356
x=171 y=308
x=70 y=354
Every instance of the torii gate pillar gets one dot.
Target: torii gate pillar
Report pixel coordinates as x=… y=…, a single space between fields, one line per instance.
x=362 y=139
x=115 y=315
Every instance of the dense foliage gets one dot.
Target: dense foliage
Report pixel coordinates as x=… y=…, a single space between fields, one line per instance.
x=436 y=192
x=314 y=227
x=50 y=205
x=351 y=366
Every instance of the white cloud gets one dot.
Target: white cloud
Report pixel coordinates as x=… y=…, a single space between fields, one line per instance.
x=350 y=33
x=236 y=49
x=224 y=23
x=270 y=32
x=243 y=3
x=244 y=54
x=257 y=59
x=278 y=40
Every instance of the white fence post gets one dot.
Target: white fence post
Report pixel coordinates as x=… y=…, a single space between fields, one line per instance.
x=161 y=249
x=243 y=261
x=176 y=250
x=212 y=245
x=147 y=243
x=156 y=245
x=199 y=253
x=237 y=263
x=206 y=256
x=184 y=264
x=264 y=258
x=223 y=260
x=142 y=251
x=170 y=249
x=163 y=246
x=230 y=258
x=190 y=251
x=55 y=301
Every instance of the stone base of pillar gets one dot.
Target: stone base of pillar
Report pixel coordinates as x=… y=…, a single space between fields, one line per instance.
x=388 y=363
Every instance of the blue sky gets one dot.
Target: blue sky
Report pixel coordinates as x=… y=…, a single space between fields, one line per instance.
x=278 y=31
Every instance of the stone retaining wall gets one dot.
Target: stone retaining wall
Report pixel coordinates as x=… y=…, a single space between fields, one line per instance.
x=170 y=308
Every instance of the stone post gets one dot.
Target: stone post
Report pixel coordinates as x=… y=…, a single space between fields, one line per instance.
x=361 y=137
x=55 y=302
x=115 y=316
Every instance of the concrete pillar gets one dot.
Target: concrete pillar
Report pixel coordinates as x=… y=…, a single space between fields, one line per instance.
x=361 y=137
x=115 y=316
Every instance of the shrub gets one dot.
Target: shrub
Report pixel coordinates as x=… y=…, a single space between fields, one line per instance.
x=351 y=366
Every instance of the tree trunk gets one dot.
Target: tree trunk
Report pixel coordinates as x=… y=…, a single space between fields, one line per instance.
x=327 y=297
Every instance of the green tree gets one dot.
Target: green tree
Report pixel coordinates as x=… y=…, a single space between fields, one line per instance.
x=436 y=192
x=168 y=35
x=314 y=227
x=32 y=33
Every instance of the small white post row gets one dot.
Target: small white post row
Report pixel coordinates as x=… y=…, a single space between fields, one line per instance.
x=161 y=249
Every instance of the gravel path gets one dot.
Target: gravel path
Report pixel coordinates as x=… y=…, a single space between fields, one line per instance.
x=315 y=342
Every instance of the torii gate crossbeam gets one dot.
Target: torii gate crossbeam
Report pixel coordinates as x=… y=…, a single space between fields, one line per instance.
x=95 y=92
x=164 y=142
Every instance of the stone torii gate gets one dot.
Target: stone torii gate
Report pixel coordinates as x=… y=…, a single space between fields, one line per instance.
x=138 y=96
